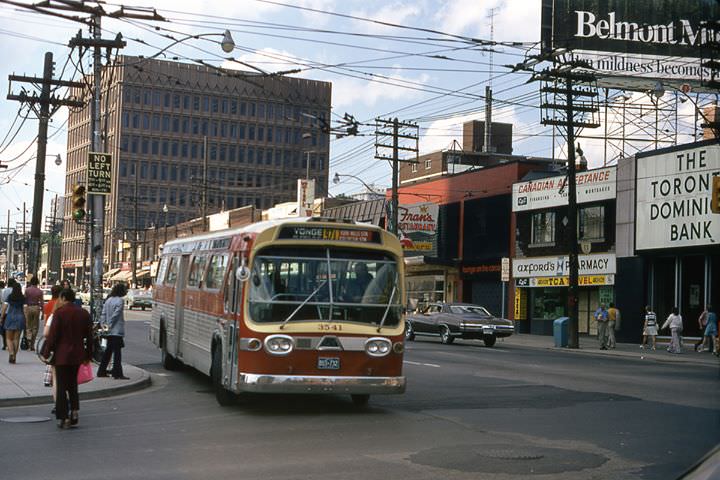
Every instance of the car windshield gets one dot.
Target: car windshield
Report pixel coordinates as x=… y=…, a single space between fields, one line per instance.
x=324 y=284
x=475 y=309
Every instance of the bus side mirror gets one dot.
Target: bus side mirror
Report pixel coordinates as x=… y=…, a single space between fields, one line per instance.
x=242 y=273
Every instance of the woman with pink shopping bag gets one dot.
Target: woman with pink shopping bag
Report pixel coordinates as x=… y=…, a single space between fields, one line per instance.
x=70 y=338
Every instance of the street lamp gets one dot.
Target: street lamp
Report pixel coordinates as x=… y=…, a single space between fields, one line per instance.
x=38 y=207
x=336 y=180
x=305 y=136
x=227 y=43
x=165 y=212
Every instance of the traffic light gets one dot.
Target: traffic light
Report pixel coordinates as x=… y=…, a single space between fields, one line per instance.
x=78 y=203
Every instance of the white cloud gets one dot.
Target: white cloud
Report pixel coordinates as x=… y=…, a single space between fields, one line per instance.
x=515 y=20
x=397 y=12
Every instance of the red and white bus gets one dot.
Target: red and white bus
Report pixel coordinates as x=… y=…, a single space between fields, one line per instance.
x=303 y=305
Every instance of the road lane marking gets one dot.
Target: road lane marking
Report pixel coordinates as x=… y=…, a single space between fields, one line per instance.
x=421 y=364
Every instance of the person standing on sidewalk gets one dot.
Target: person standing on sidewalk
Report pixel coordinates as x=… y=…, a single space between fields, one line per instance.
x=33 y=307
x=13 y=319
x=613 y=324
x=674 y=321
x=70 y=337
x=601 y=317
x=649 y=327
x=2 y=329
x=113 y=317
x=711 y=331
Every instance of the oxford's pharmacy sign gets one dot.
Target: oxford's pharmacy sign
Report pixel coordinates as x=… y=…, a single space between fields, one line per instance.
x=673 y=198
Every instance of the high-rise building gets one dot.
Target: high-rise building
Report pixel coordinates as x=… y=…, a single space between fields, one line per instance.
x=193 y=138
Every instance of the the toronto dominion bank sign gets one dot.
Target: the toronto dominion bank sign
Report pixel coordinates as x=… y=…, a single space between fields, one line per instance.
x=644 y=38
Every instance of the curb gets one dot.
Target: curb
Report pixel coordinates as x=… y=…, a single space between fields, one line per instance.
x=144 y=382
x=623 y=354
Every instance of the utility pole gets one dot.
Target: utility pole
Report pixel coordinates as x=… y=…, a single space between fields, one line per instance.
x=391 y=128
x=203 y=199
x=135 y=226
x=560 y=109
x=44 y=107
x=24 y=240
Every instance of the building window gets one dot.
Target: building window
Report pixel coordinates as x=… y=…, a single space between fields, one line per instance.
x=428 y=164
x=413 y=167
x=591 y=223
x=543 y=228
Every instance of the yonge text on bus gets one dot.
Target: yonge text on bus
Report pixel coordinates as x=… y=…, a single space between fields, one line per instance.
x=673 y=198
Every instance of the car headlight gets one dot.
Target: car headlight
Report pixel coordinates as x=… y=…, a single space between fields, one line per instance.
x=377 y=346
x=279 y=344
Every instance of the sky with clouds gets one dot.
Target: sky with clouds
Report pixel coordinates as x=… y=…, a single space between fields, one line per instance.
x=377 y=70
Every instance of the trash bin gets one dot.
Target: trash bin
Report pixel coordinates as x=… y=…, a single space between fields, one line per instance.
x=560 y=331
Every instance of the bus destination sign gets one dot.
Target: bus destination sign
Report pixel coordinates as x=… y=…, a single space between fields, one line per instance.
x=332 y=234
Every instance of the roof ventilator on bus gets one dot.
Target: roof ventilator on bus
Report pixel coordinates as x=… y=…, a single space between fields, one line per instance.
x=377 y=346
x=279 y=344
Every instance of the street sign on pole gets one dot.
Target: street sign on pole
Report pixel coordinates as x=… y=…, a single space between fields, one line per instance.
x=99 y=178
x=505 y=269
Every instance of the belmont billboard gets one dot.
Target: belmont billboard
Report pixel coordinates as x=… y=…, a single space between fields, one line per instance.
x=662 y=39
x=673 y=197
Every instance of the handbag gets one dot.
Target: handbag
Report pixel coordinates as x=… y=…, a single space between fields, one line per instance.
x=85 y=373
x=24 y=343
x=43 y=352
x=47 y=376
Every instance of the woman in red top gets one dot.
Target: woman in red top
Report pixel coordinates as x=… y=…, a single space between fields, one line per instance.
x=70 y=337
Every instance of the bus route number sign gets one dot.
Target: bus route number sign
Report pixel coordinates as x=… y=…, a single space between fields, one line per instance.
x=331 y=234
x=99 y=173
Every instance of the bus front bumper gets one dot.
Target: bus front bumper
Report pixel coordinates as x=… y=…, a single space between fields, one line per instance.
x=259 y=383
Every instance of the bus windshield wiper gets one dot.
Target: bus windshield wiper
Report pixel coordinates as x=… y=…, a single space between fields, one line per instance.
x=302 y=304
x=387 y=308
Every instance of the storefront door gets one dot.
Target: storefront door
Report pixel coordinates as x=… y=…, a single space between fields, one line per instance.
x=692 y=293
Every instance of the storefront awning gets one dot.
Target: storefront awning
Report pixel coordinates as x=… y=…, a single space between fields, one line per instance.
x=143 y=274
x=121 y=276
x=110 y=273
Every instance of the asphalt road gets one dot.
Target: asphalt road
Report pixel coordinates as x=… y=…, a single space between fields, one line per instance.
x=470 y=412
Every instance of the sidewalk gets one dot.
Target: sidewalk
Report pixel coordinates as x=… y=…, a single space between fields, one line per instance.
x=22 y=383
x=589 y=345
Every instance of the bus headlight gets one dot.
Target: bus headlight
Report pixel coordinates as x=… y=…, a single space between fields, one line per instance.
x=279 y=344
x=377 y=346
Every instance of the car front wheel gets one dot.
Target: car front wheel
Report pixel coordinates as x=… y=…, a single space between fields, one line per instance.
x=489 y=340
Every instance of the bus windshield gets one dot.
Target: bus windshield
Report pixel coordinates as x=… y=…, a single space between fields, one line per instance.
x=323 y=284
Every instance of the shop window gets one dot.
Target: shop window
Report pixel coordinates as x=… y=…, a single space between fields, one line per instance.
x=543 y=228
x=591 y=223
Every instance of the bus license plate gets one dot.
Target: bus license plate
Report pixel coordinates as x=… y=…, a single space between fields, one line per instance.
x=329 y=363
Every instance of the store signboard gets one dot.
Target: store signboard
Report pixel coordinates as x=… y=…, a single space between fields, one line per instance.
x=592 y=186
x=583 y=281
x=673 y=192
x=597 y=264
x=417 y=227
x=644 y=39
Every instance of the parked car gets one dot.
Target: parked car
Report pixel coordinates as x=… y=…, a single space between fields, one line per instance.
x=457 y=320
x=85 y=296
x=138 y=298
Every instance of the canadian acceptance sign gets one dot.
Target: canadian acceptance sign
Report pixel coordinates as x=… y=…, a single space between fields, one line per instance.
x=592 y=186
x=673 y=198
x=99 y=175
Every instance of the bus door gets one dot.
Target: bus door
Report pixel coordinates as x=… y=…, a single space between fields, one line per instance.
x=180 y=286
x=232 y=294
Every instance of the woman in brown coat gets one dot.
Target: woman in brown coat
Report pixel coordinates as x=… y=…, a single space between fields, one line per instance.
x=70 y=337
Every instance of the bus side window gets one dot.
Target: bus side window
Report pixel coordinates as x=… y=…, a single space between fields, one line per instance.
x=216 y=271
x=196 y=271
x=171 y=271
x=162 y=270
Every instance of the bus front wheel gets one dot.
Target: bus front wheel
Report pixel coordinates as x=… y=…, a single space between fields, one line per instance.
x=167 y=360
x=222 y=395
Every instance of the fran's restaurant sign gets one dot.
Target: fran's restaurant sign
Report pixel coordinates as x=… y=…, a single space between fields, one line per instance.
x=597 y=264
x=417 y=227
x=673 y=192
x=642 y=38
x=592 y=186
